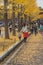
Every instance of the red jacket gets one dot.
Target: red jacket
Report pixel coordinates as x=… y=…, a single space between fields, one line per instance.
x=25 y=34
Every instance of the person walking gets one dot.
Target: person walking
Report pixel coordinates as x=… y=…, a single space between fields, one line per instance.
x=25 y=32
x=31 y=29
x=41 y=29
x=35 y=29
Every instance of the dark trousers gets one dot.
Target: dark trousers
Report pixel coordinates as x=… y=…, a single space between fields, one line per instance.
x=35 y=32
x=31 y=31
x=25 y=39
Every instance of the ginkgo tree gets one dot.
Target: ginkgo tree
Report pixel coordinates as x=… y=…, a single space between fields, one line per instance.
x=29 y=8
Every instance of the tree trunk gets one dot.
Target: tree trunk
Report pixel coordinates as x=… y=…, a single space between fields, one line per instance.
x=13 y=19
x=19 y=22
x=6 y=20
x=25 y=19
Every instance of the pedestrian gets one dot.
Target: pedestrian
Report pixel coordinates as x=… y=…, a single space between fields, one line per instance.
x=19 y=36
x=35 y=29
x=25 y=32
x=31 y=29
x=41 y=29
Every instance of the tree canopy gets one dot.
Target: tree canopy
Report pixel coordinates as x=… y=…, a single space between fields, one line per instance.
x=30 y=8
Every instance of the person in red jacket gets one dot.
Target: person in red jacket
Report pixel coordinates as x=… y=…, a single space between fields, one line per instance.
x=25 y=32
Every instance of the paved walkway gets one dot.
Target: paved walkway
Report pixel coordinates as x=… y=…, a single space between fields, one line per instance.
x=31 y=53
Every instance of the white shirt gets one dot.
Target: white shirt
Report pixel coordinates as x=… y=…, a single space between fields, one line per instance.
x=24 y=29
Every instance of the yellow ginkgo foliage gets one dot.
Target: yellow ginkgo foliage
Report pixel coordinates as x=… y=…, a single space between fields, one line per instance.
x=30 y=7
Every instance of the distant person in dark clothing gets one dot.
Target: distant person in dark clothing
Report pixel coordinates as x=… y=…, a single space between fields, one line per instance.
x=41 y=29
x=35 y=29
x=31 y=29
